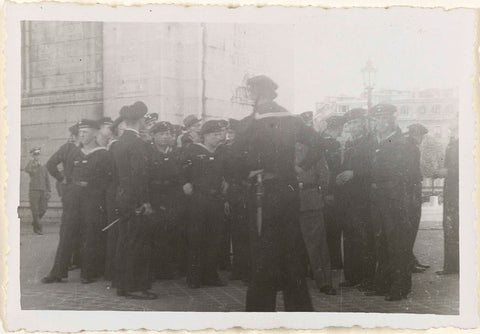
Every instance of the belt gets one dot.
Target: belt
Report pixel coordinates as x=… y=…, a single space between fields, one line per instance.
x=307 y=186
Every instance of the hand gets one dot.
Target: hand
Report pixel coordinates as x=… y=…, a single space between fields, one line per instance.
x=329 y=199
x=146 y=209
x=224 y=187
x=344 y=177
x=188 y=189
x=298 y=169
x=226 y=208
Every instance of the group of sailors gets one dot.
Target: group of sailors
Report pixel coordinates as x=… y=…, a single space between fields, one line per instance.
x=269 y=197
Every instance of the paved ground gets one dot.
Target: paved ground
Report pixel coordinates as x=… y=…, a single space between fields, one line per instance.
x=431 y=294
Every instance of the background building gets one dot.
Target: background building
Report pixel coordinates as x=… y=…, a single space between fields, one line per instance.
x=434 y=108
x=73 y=70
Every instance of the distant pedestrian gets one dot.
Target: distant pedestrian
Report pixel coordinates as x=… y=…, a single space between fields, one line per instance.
x=416 y=133
x=39 y=189
x=355 y=182
x=450 y=205
x=390 y=207
x=333 y=212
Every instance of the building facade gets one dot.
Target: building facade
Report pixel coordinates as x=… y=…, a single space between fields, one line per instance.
x=74 y=70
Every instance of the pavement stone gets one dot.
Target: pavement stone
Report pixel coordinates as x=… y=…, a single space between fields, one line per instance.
x=431 y=294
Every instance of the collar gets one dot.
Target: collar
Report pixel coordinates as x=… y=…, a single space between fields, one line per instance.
x=110 y=143
x=98 y=148
x=380 y=140
x=133 y=130
x=272 y=114
x=202 y=145
x=168 y=150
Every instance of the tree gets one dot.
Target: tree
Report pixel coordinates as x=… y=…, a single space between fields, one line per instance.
x=432 y=156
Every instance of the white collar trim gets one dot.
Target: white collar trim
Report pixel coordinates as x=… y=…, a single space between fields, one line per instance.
x=272 y=114
x=94 y=150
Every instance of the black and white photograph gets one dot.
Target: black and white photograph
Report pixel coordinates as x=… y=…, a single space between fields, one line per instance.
x=211 y=162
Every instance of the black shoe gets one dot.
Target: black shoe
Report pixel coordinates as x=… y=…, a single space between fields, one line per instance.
x=393 y=297
x=446 y=272
x=73 y=267
x=328 y=290
x=144 y=295
x=38 y=232
x=87 y=280
x=375 y=293
x=121 y=293
x=424 y=266
x=366 y=286
x=417 y=270
x=51 y=279
x=347 y=284
x=214 y=282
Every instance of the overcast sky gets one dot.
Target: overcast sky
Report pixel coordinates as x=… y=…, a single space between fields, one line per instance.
x=411 y=49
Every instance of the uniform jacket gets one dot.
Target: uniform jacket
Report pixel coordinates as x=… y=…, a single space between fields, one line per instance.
x=63 y=156
x=390 y=165
x=333 y=155
x=93 y=169
x=358 y=158
x=132 y=163
x=165 y=170
x=205 y=170
x=268 y=142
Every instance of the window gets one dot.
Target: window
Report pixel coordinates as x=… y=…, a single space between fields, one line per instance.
x=421 y=109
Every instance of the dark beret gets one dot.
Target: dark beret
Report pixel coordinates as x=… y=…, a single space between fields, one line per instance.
x=161 y=127
x=191 y=120
x=307 y=116
x=134 y=112
x=106 y=121
x=383 y=109
x=335 y=121
x=262 y=82
x=417 y=129
x=74 y=129
x=88 y=123
x=212 y=126
x=233 y=124
x=35 y=150
x=151 y=117
x=354 y=114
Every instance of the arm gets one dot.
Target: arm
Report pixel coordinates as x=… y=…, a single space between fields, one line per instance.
x=30 y=168
x=139 y=163
x=52 y=163
x=47 y=181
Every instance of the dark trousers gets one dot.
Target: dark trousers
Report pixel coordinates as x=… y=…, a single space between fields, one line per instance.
x=451 y=233
x=313 y=230
x=358 y=245
x=414 y=198
x=204 y=236
x=38 y=206
x=278 y=254
x=392 y=241
x=239 y=233
x=111 y=234
x=166 y=257
x=83 y=215
x=333 y=223
x=134 y=253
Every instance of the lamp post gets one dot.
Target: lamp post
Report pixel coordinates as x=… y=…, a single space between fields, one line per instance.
x=369 y=73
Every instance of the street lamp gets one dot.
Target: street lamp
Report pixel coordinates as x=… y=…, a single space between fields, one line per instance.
x=369 y=73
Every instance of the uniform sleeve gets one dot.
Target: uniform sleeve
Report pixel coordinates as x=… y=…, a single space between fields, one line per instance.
x=139 y=162
x=309 y=137
x=362 y=168
x=185 y=163
x=106 y=171
x=29 y=168
x=52 y=163
x=47 y=180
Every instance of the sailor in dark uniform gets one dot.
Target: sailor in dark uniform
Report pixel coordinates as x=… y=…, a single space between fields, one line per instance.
x=278 y=255
x=166 y=192
x=112 y=210
x=205 y=175
x=415 y=133
x=134 y=246
x=390 y=207
x=333 y=211
x=354 y=180
x=85 y=203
